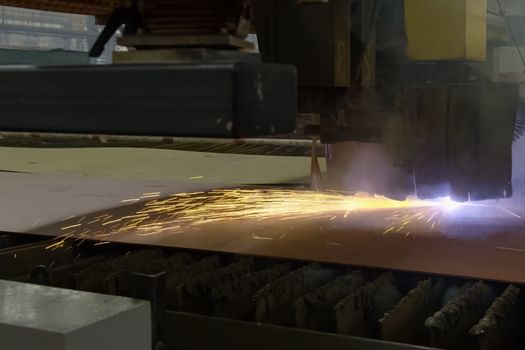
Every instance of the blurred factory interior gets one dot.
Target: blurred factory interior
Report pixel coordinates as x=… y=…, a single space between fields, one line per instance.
x=262 y=174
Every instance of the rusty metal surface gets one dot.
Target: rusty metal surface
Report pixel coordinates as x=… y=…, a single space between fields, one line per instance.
x=486 y=245
x=478 y=241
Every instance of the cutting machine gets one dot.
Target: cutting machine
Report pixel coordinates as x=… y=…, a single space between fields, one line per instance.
x=410 y=97
x=414 y=97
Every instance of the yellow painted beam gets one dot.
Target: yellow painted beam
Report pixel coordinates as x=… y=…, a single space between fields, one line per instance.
x=446 y=29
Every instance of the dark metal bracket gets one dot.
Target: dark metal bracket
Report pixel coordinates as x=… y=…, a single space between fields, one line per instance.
x=129 y=17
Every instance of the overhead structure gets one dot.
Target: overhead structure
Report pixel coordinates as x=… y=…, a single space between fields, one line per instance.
x=408 y=82
x=85 y=7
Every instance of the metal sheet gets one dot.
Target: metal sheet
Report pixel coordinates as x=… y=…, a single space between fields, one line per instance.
x=30 y=200
x=477 y=241
x=258 y=146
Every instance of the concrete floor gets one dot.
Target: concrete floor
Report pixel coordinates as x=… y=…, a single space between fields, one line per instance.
x=159 y=165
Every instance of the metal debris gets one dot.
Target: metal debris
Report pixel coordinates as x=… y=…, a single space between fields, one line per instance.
x=359 y=313
x=234 y=298
x=273 y=303
x=420 y=303
x=315 y=310
x=498 y=328
x=449 y=327
x=454 y=291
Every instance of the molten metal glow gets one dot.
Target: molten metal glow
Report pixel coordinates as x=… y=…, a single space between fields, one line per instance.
x=448 y=204
x=180 y=211
x=430 y=216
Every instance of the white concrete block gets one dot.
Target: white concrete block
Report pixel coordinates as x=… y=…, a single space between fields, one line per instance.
x=45 y=318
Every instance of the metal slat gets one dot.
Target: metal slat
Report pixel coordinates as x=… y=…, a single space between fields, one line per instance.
x=186 y=332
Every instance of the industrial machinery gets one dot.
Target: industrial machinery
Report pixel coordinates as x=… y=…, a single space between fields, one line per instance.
x=204 y=299
x=433 y=85
x=410 y=97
